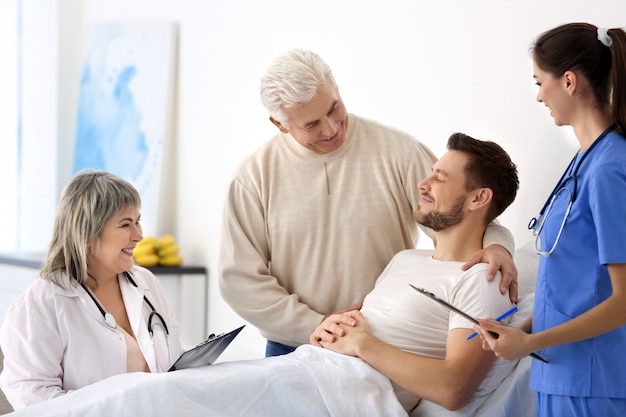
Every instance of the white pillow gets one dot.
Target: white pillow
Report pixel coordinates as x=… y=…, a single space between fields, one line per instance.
x=527 y=262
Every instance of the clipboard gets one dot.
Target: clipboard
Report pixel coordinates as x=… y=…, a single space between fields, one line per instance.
x=447 y=305
x=206 y=352
x=464 y=314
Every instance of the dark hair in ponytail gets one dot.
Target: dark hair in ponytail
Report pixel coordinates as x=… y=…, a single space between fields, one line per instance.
x=578 y=47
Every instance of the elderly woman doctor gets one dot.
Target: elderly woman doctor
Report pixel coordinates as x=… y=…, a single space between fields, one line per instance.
x=91 y=313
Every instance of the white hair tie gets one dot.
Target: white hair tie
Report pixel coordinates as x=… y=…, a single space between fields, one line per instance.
x=603 y=36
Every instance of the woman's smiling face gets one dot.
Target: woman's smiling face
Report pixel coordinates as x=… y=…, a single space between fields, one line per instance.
x=553 y=94
x=112 y=253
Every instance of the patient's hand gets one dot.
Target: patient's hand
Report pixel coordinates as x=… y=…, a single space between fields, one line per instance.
x=353 y=338
x=332 y=327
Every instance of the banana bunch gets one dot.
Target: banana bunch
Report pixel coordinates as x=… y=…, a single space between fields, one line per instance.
x=152 y=251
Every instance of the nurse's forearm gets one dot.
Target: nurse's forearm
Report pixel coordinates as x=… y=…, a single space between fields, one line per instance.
x=606 y=316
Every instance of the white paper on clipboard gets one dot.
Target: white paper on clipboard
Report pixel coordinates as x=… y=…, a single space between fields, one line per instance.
x=206 y=352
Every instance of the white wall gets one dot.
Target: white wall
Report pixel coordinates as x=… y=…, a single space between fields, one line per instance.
x=430 y=68
x=8 y=125
x=39 y=121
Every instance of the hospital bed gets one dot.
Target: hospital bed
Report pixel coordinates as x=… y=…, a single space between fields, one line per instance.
x=311 y=382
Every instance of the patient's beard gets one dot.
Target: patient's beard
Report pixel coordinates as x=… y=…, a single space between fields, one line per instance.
x=438 y=220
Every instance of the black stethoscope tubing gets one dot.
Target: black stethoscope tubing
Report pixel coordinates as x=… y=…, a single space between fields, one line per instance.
x=535 y=220
x=110 y=320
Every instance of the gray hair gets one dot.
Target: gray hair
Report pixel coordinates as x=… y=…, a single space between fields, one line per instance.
x=88 y=201
x=293 y=78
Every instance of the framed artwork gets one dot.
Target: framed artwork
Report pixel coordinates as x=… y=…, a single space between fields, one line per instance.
x=125 y=105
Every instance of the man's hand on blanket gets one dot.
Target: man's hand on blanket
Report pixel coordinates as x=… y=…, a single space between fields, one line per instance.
x=499 y=259
x=332 y=327
x=353 y=338
x=328 y=328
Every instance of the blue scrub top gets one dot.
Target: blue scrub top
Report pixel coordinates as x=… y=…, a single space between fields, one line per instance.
x=574 y=278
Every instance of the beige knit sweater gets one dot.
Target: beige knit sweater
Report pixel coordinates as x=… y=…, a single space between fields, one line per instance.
x=306 y=234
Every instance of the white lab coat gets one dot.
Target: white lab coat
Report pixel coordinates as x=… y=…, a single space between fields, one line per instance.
x=55 y=340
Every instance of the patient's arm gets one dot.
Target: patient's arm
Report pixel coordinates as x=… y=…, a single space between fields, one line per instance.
x=450 y=382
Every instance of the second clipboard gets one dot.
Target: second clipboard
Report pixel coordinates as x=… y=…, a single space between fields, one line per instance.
x=464 y=314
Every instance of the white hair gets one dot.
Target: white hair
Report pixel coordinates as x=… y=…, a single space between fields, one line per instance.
x=293 y=78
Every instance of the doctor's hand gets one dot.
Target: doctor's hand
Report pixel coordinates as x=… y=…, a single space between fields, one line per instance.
x=333 y=326
x=499 y=259
x=512 y=343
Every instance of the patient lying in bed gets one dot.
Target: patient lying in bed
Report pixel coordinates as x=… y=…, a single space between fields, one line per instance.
x=424 y=340
x=314 y=381
x=438 y=363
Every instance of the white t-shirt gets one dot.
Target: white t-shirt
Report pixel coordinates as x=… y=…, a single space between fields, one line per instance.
x=412 y=322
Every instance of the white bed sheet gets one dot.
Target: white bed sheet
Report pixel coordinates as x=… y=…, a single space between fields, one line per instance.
x=312 y=382
x=512 y=398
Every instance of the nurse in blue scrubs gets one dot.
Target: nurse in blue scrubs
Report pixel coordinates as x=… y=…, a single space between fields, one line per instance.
x=579 y=317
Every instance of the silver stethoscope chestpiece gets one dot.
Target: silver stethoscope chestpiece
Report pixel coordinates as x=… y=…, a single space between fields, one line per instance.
x=110 y=320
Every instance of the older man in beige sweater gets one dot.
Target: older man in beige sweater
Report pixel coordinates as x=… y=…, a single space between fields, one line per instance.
x=312 y=217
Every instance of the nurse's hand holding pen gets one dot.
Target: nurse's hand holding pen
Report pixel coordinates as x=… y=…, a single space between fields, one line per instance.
x=513 y=342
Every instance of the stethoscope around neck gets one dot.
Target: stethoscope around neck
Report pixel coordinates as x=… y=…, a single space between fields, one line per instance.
x=110 y=321
x=536 y=223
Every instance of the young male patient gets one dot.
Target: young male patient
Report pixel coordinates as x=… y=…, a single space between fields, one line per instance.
x=399 y=335
x=411 y=339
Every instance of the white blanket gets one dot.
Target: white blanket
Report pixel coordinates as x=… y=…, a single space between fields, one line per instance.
x=310 y=382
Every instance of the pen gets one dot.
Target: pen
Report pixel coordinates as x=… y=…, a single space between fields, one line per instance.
x=500 y=317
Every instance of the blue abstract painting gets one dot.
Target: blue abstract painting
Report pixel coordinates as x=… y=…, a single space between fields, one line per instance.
x=124 y=108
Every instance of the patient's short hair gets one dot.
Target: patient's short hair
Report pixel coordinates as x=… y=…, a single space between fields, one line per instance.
x=489 y=166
